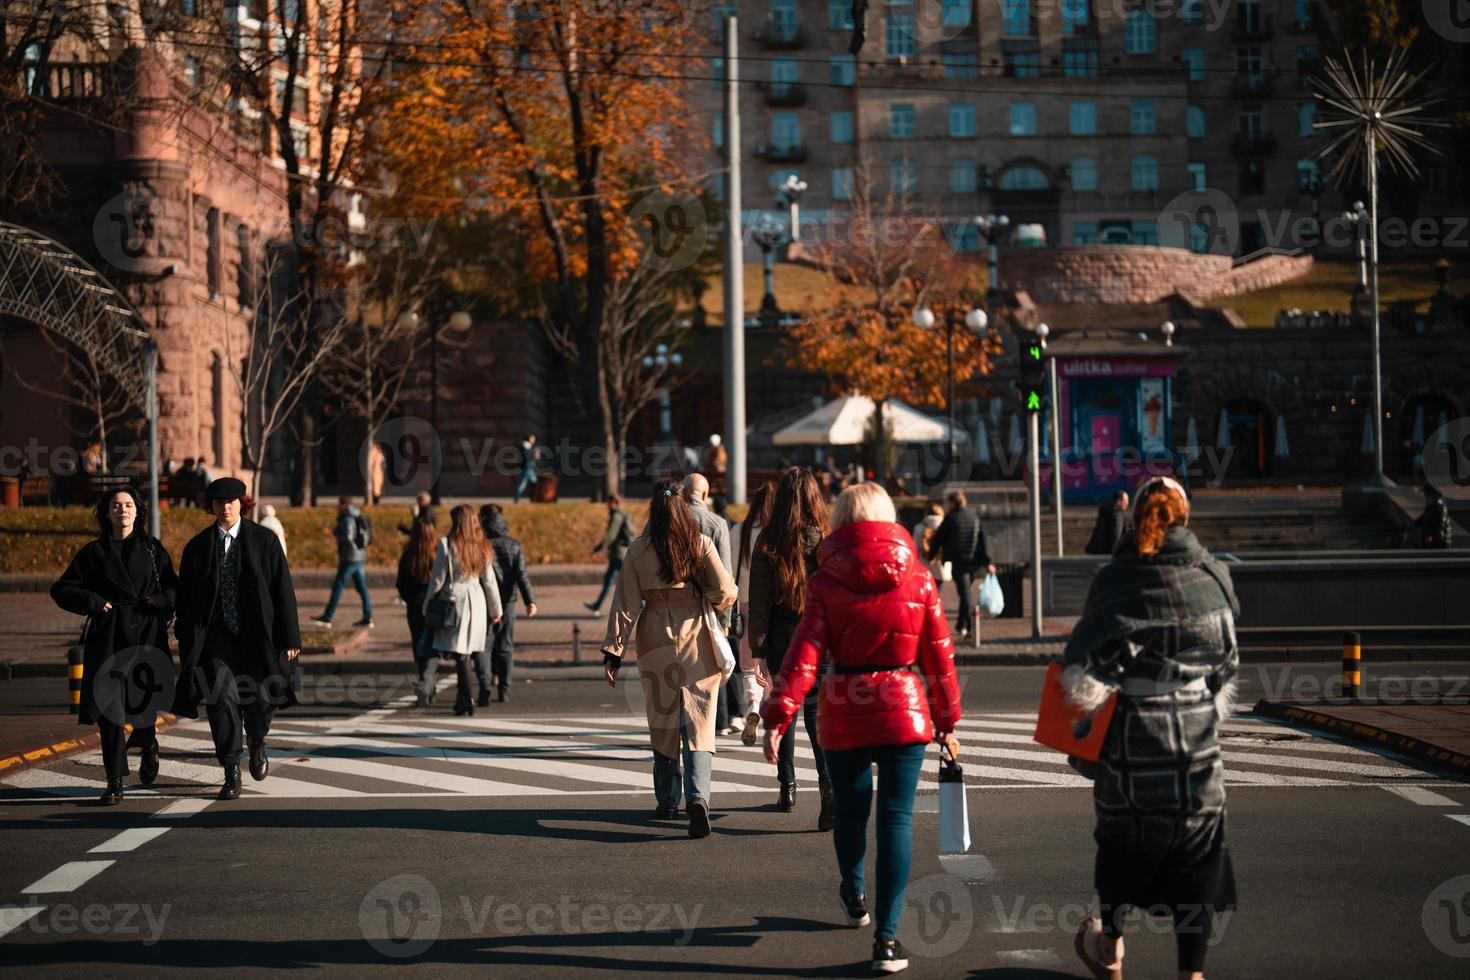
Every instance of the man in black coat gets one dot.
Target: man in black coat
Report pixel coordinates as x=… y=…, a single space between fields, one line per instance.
x=960 y=541
x=511 y=576
x=238 y=632
x=1113 y=521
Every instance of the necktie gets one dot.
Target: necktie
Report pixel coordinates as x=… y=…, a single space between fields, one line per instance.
x=229 y=585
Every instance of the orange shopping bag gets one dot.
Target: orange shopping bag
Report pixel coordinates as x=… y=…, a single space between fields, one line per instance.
x=1066 y=728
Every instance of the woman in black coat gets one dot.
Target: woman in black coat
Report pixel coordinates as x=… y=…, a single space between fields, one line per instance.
x=124 y=583
x=414 y=567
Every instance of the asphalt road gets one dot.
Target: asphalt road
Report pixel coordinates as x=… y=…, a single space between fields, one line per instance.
x=523 y=839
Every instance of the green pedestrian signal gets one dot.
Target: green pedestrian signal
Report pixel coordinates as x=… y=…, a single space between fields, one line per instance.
x=1032 y=373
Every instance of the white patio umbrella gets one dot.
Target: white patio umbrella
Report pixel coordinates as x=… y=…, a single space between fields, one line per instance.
x=1283 y=448
x=1016 y=440
x=1418 y=437
x=842 y=422
x=1367 y=446
x=982 y=444
x=1222 y=431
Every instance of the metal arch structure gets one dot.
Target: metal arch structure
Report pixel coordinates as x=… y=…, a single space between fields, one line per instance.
x=48 y=284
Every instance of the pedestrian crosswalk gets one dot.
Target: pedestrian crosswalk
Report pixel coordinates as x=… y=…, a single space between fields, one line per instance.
x=414 y=753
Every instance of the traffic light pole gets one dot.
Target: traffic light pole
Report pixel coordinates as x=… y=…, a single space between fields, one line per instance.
x=1035 y=441
x=1056 y=447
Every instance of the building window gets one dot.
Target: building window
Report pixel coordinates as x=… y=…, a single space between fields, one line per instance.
x=840 y=69
x=1197 y=180
x=1253 y=177
x=217 y=409
x=1308 y=176
x=1023 y=64
x=723 y=12
x=1308 y=59
x=1023 y=119
x=1142 y=118
x=211 y=252
x=188 y=7
x=839 y=15
x=1145 y=233
x=1199 y=237
x=963 y=176
x=1141 y=33
x=961 y=119
x=842 y=184
x=1079 y=58
x=955 y=13
x=1306 y=119
x=191 y=70
x=1016 y=18
x=1194 y=122
x=842 y=127
x=1074 y=17
x=1024 y=178
x=244 y=268
x=964 y=236
x=902 y=176
x=1194 y=61
x=717 y=185
x=961 y=64
x=784 y=74
x=785 y=130
x=1084 y=173
x=783 y=19
x=1084 y=232
x=719 y=129
x=1082 y=119
x=1145 y=173
x=717 y=72
x=901 y=123
x=1191 y=11
x=1252 y=121
x=898 y=36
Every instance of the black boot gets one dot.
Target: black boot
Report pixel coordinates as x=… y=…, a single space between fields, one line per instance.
x=824 y=817
x=231 y=789
x=698 y=818
x=260 y=763
x=502 y=694
x=484 y=699
x=113 y=794
x=148 y=765
x=786 y=802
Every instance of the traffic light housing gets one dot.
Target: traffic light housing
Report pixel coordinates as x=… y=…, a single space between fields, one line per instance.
x=1032 y=373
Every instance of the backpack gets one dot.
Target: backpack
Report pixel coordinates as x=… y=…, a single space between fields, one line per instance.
x=364 y=530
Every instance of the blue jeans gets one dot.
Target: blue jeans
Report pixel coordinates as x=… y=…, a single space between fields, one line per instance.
x=697 y=772
x=614 y=565
x=528 y=477
x=356 y=571
x=851 y=772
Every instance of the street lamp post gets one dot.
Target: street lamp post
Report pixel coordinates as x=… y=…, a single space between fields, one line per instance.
x=663 y=360
x=976 y=321
x=1358 y=218
x=459 y=322
x=1364 y=220
x=992 y=226
x=769 y=235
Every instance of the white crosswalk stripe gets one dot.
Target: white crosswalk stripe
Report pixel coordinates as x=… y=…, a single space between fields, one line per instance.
x=407 y=753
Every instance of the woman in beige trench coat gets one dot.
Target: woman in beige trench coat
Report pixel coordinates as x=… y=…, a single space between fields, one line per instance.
x=670 y=576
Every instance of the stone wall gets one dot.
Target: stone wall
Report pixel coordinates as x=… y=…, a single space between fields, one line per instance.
x=1137 y=273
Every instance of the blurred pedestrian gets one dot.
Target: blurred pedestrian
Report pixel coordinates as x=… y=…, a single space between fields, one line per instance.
x=272 y=523
x=960 y=541
x=671 y=579
x=238 y=632
x=422 y=507
x=716 y=460
x=891 y=689
x=528 y=467
x=1113 y=522
x=785 y=558
x=1157 y=630
x=616 y=538
x=923 y=535
x=1435 y=526
x=124 y=583
x=755 y=679
x=354 y=533
x=377 y=473
x=465 y=569
x=415 y=566
x=510 y=573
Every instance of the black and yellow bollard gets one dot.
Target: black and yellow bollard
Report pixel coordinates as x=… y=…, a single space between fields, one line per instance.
x=74 y=678
x=1352 y=664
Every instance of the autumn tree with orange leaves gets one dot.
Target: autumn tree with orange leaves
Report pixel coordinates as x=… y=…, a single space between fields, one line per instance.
x=890 y=262
x=559 y=116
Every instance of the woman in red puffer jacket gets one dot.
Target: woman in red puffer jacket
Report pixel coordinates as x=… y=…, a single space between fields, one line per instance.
x=890 y=691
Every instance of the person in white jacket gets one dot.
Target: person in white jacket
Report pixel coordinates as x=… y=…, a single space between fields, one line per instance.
x=923 y=533
x=753 y=674
x=464 y=575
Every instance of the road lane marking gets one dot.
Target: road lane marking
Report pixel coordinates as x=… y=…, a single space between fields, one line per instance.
x=1423 y=797
x=129 y=840
x=13 y=917
x=179 y=809
x=67 y=878
x=1463 y=818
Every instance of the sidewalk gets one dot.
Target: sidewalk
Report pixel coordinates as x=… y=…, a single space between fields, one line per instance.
x=35 y=735
x=1435 y=731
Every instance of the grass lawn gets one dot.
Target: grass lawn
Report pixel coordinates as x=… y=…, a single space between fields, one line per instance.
x=1329 y=286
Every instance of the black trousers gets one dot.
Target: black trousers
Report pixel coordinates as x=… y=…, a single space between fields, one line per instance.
x=503 y=646
x=964 y=581
x=786 y=754
x=116 y=742
x=234 y=695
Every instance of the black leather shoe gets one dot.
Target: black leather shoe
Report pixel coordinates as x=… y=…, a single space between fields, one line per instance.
x=824 y=817
x=666 y=813
x=231 y=789
x=260 y=763
x=786 y=802
x=484 y=699
x=113 y=794
x=502 y=695
x=148 y=765
x=889 y=956
x=699 y=819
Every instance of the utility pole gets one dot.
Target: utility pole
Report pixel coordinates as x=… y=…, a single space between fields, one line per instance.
x=734 y=273
x=1035 y=423
x=1056 y=447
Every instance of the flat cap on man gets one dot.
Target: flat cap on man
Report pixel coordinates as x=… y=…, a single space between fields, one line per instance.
x=225 y=488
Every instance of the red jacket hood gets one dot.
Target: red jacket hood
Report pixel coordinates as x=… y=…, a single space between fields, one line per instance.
x=868 y=556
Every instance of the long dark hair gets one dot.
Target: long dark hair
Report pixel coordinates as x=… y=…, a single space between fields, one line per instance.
x=467 y=538
x=799 y=505
x=672 y=533
x=104 y=522
x=420 y=548
x=759 y=515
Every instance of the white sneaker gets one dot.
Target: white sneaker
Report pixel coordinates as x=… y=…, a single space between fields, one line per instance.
x=736 y=725
x=725 y=731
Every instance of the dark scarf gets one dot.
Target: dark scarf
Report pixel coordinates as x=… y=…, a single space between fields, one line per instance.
x=1181 y=585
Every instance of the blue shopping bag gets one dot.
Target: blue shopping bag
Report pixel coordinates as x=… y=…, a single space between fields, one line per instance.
x=992 y=600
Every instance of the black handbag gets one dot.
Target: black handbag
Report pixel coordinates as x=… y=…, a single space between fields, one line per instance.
x=737 y=618
x=441 y=613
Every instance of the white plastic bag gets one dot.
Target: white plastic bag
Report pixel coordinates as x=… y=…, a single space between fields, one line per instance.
x=954 y=812
x=723 y=655
x=992 y=601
